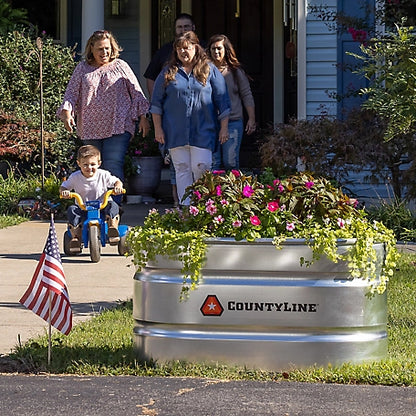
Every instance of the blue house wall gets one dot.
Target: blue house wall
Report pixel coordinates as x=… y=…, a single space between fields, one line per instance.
x=349 y=82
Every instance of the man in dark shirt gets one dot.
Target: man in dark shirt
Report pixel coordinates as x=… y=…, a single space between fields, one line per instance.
x=183 y=23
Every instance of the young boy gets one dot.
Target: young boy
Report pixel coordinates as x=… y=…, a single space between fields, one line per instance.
x=91 y=183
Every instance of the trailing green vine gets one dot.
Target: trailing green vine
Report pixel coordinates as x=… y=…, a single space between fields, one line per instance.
x=238 y=206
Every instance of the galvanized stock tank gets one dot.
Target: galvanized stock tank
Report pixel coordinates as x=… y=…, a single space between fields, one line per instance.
x=257 y=307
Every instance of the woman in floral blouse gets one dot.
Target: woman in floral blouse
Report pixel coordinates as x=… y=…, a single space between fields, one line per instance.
x=104 y=100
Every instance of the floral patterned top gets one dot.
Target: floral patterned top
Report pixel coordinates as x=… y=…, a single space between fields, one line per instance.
x=105 y=100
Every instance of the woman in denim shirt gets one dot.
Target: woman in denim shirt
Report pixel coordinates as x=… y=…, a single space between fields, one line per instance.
x=190 y=109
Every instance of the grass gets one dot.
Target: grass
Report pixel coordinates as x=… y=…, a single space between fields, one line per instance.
x=103 y=346
x=9 y=220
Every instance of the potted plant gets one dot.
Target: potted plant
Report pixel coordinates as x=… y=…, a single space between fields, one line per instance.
x=315 y=300
x=143 y=165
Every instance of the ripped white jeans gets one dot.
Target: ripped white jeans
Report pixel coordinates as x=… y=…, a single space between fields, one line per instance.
x=190 y=164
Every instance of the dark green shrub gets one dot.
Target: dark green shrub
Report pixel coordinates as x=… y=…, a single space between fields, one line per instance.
x=20 y=97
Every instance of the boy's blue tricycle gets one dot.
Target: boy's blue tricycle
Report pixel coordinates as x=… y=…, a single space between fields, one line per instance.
x=94 y=229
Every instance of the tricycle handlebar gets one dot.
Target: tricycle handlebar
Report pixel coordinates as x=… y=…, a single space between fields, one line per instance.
x=103 y=204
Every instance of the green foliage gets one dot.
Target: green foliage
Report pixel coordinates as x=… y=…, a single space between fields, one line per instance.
x=103 y=346
x=16 y=187
x=11 y=18
x=9 y=220
x=20 y=94
x=389 y=63
x=20 y=75
x=397 y=216
x=237 y=206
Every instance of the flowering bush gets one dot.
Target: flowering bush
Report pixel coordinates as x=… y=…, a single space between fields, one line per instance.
x=239 y=206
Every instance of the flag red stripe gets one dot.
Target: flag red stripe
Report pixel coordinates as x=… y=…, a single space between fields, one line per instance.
x=33 y=281
x=49 y=278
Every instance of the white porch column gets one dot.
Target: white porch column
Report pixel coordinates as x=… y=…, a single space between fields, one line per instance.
x=92 y=18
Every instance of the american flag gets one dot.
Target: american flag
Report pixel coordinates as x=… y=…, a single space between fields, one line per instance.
x=49 y=279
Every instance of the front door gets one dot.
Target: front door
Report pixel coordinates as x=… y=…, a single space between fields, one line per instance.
x=249 y=26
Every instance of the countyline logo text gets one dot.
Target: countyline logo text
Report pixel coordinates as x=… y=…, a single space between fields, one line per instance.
x=272 y=306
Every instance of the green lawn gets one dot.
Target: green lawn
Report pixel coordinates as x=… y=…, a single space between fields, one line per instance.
x=103 y=346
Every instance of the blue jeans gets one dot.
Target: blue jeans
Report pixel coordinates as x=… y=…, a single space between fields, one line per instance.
x=113 y=151
x=227 y=155
x=76 y=215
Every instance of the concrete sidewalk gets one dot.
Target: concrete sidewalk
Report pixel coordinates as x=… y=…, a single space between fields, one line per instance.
x=92 y=286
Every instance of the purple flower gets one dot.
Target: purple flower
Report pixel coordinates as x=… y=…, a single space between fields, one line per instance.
x=236 y=173
x=197 y=194
x=248 y=191
x=218 y=190
x=309 y=184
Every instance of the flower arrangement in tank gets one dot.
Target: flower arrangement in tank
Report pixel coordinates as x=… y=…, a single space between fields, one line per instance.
x=238 y=206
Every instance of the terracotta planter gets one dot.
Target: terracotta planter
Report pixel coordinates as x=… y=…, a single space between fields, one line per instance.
x=259 y=308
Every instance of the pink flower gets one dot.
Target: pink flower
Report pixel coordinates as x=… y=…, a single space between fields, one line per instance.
x=341 y=223
x=209 y=202
x=273 y=206
x=224 y=202
x=211 y=209
x=237 y=224
x=309 y=184
x=197 y=194
x=255 y=220
x=236 y=173
x=358 y=35
x=290 y=226
x=276 y=182
x=218 y=172
x=218 y=189
x=219 y=219
x=193 y=210
x=280 y=188
x=248 y=191
x=354 y=202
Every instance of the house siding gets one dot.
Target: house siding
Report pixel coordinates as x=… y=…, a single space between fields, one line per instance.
x=126 y=31
x=321 y=60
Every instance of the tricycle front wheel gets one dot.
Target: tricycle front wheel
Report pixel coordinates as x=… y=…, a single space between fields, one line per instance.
x=94 y=243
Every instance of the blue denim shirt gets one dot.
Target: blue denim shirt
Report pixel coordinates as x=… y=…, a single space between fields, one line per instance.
x=191 y=111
